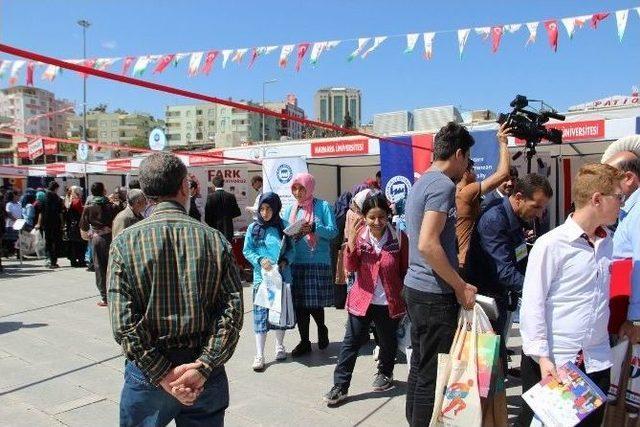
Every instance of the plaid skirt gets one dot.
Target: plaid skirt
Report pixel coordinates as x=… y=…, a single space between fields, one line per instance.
x=261 y=317
x=312 y=286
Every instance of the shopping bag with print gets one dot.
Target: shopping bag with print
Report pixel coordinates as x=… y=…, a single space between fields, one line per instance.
x=444 y=367
x=269 y=294
x=461 y=403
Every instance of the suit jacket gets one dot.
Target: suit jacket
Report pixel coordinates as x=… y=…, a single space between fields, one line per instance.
x=490 y=200
x=220 y=210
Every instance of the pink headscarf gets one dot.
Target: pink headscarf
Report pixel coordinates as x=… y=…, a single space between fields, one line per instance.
x=307 y=181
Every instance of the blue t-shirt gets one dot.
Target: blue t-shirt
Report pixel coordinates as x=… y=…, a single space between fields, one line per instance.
x=434 y=191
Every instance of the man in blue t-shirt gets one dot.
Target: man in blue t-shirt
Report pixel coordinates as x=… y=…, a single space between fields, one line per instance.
x=433 y=287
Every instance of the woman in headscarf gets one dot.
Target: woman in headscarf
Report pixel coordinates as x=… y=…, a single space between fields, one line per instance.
x=263 y=248
x=73 y=212
x=312 y=285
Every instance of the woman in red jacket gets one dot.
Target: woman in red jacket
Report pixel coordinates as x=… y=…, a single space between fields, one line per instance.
x=379 y=256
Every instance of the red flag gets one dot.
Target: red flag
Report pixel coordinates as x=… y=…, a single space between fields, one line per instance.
x=163 y=63
x=254 y=56
x=126 y=64
x=596 y=18
x=302 y=51
x=496 y=35
x=30 y=67
x=209 y=60
x=89 y=63
x=552 y=32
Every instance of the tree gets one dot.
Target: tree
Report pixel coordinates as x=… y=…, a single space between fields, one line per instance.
x=120 y=111
x=100 y=108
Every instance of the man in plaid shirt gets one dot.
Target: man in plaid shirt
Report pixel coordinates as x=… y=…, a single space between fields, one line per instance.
x=175 y=300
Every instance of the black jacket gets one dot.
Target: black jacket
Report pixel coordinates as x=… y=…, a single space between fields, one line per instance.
x=220 y=210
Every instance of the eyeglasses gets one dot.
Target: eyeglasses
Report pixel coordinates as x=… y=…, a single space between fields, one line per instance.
x=620 y=196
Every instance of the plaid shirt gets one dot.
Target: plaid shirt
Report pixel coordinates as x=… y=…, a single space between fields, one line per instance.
x=173 y=284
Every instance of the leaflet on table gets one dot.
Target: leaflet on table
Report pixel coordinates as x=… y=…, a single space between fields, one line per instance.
x=295 y=227
x=564 y=404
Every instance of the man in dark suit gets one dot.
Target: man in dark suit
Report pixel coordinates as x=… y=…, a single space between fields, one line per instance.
x=221 y=208
x=497 y=258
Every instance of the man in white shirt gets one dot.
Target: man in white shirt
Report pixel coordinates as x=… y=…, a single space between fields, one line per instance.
x=256 y=183
x=565 y=298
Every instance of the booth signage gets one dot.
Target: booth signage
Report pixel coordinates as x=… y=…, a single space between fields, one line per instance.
x=354 y=147
x=36 y=149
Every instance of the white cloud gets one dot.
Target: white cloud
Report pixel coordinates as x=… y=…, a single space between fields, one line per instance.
x=110 y=44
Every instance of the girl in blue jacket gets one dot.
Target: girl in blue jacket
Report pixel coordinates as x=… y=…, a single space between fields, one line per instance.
x=263 y=248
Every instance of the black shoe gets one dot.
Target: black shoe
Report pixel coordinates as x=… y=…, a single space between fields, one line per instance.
x=301 y=349
x=335 y=395
x=90 y=268
x=381 y=382
x=323 y=337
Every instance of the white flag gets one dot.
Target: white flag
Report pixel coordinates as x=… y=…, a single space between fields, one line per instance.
x=104 y=63
x=239 y=55
x=269 y=49
x=533 y=31
x=638 y=10
x=428 y=44
x=194 y=63
x=570 y=25
x=225 y=57
x=319 y=47
x=141 y=65
x=411 y=42
x=512 y=28
x=463 y=35
x=50 y=72
x=15 y=68
x=621 y=21
x=483 y=31
x=3 y=67
x=581 y=20
x=179 y=57
x=376 y=43
x=284 y=54
x=362 y=42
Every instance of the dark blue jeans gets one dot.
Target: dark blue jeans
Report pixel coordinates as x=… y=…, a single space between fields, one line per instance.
x=433 y=324
x=143 y=404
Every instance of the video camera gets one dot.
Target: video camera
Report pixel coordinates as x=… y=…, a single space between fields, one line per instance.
x=528 y=124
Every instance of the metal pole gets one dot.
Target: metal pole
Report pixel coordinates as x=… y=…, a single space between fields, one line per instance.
x=84 y=24
x=263 y=133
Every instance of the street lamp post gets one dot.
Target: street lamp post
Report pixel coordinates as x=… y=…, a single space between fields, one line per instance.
x=84 y=24
x=264 y=84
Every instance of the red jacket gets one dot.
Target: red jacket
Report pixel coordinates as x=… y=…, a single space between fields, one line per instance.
x=391 y=266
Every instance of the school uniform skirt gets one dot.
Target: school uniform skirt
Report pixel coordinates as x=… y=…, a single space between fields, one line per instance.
x=312 y=285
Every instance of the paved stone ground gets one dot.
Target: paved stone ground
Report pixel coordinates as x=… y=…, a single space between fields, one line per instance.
x=59 y=364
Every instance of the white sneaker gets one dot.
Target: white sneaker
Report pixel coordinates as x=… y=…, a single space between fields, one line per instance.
x=258 y=364
x=376 y=353
x=281 y=353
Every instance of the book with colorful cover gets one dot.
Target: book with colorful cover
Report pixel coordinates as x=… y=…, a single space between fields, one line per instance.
x=564 y=404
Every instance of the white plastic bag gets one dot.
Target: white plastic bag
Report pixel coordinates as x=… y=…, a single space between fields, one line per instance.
x=269 y=294
x=27 y=243
x=286 y=317
x=39 y=243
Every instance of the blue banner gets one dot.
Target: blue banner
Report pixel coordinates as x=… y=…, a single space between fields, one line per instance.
x=485 y=153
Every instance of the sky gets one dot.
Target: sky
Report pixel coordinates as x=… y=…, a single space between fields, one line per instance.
x=592 y=65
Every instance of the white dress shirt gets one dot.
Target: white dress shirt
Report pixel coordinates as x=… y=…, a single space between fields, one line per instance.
x=565 y=298
x=379 y=294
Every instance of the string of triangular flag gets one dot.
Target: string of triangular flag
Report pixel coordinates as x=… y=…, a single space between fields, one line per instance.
x=138 y=65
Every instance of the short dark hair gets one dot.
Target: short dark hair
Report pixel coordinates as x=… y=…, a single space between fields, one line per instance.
x=630 y=165
x=218 y=181
x=161 y=175
x=256 y=178
x=134 y=183
x=530 y=183
x=97 y=189
x=449 y=139
x=376 y=200
x=53 y=186
x=379 y=174
x=513 y=172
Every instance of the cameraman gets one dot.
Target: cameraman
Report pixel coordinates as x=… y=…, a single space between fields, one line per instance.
x=497 y=258
x=469 y=194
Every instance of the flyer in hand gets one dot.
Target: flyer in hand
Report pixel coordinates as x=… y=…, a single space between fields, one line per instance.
x=564 y=404
x=295 y=228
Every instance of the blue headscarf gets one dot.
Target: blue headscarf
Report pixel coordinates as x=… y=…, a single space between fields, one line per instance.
x=260 y=225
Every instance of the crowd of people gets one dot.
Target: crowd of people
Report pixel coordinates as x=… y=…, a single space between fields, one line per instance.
x=175 y=295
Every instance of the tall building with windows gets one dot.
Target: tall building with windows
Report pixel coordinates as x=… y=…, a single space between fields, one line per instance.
x=331 y=104
x=119 y=127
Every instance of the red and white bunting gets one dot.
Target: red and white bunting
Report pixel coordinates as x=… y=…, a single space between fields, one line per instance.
x=483 y=32
x=302 y=51
x=496 y=36
x=225 y=57
x=362 y=43
x=621 y=22
x=412 y=39
x=377 y=41
x=126 y=64
x=533 y=31
x=163 y=63
x=208 y=62
x=428 y=44
x=239 y=55
x=552 y=32
x=463 y=35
